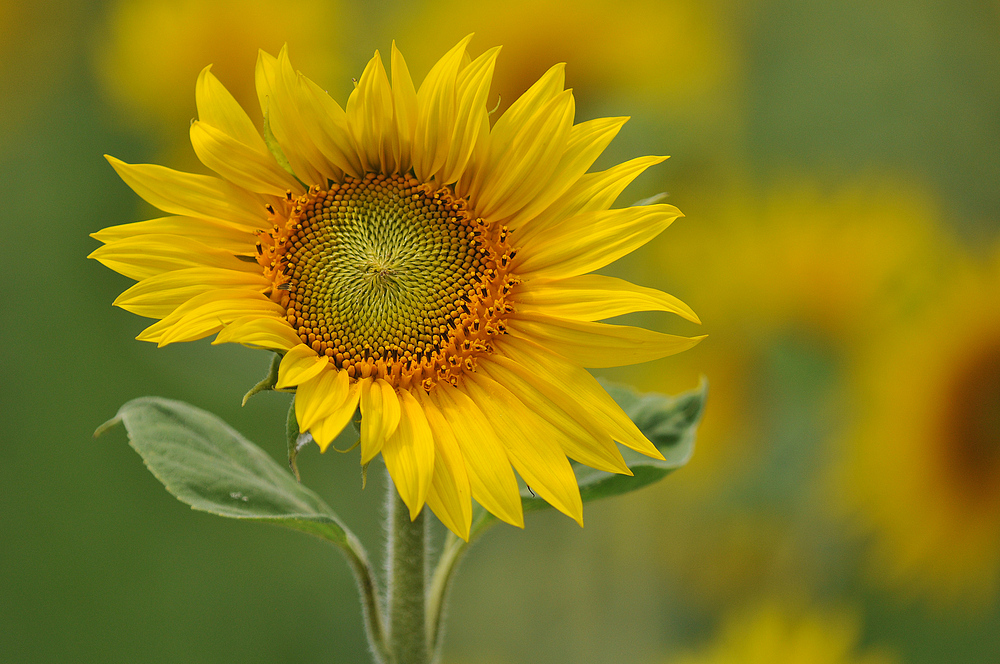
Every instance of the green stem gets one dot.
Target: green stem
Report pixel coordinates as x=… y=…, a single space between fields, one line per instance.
x=437 y=597
x=407 y=580
x=368 y=589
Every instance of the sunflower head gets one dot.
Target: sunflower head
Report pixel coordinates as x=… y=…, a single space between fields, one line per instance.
x=921 y=469
x=409 y=258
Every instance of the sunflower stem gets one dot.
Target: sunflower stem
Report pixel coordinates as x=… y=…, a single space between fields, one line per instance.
x=454 y=550
x=368 y=590
x=441 y=581
x=407 y=582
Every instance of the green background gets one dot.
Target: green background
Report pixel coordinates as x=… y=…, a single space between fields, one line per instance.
x=99 y=564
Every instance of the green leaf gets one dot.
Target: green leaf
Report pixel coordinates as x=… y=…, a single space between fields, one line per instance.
x=669 y=423
x=205 y=463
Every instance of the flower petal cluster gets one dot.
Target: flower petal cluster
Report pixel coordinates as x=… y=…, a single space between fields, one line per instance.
x=410 y=259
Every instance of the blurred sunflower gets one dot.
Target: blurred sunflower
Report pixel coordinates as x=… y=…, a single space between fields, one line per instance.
x=153 y=49
x=921 y=471
x=405 y=256
x=800 y=258
x=822 y=266
x=772 y=634
x=685 y=47
x=793 y=280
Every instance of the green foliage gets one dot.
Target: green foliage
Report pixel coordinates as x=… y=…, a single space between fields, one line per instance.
x=203 y=462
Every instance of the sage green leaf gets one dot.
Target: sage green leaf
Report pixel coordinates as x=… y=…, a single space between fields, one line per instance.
x=668 y=422
x=205 y=463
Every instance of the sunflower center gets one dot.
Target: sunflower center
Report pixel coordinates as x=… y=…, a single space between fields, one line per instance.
x=388 y=277
x=972 y=426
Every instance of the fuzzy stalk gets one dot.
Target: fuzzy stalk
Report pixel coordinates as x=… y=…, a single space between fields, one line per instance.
x=406 y=558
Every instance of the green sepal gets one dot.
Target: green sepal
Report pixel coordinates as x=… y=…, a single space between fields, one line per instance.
x=268 y=382
x=206 y=464
x=275 y=149
x=668 y=422
x=296 y=441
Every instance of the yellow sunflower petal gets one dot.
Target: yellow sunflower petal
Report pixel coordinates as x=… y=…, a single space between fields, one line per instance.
x=192 y=195
x=591 y=297
x=299 y=121
x=566 y=382
x=207 y=313
x=225 y=140
x=266 y=333
x=317 y=398
x=591 y=240
x=598 y=345
x=498 y=139
x=549 y=86
x=404 y=99
x=473 y=85
x=241 y=165
x=299 y=365
x=157 y=296
x=144 y=256
x=490 y=476
x=328 y=127
x=409 y=454
x=436 y=113
x=380 y=413
x=328 y=428
x=277 y=88
x=449 y=494
x=585 y=143
x=370 y=116
x=213 y=234
x=530 y=444
x=591 y=447
x=217 y=107
x=563 y=395
x=524 y=167
x=592 y=192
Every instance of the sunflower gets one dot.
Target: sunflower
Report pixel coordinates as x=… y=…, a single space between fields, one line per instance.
x=406 y=257
x=776 y=634
x=920 y=471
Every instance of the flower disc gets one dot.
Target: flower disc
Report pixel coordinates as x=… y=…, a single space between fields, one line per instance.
x=390 y=278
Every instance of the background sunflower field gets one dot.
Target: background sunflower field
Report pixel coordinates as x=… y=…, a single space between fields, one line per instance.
x=838 y=165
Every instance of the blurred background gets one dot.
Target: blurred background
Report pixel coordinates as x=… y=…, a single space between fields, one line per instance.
x=837 y=161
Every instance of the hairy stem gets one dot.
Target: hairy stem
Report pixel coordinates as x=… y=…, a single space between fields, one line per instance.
x=437 y=600
x=407 y=576
x=368 y=589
